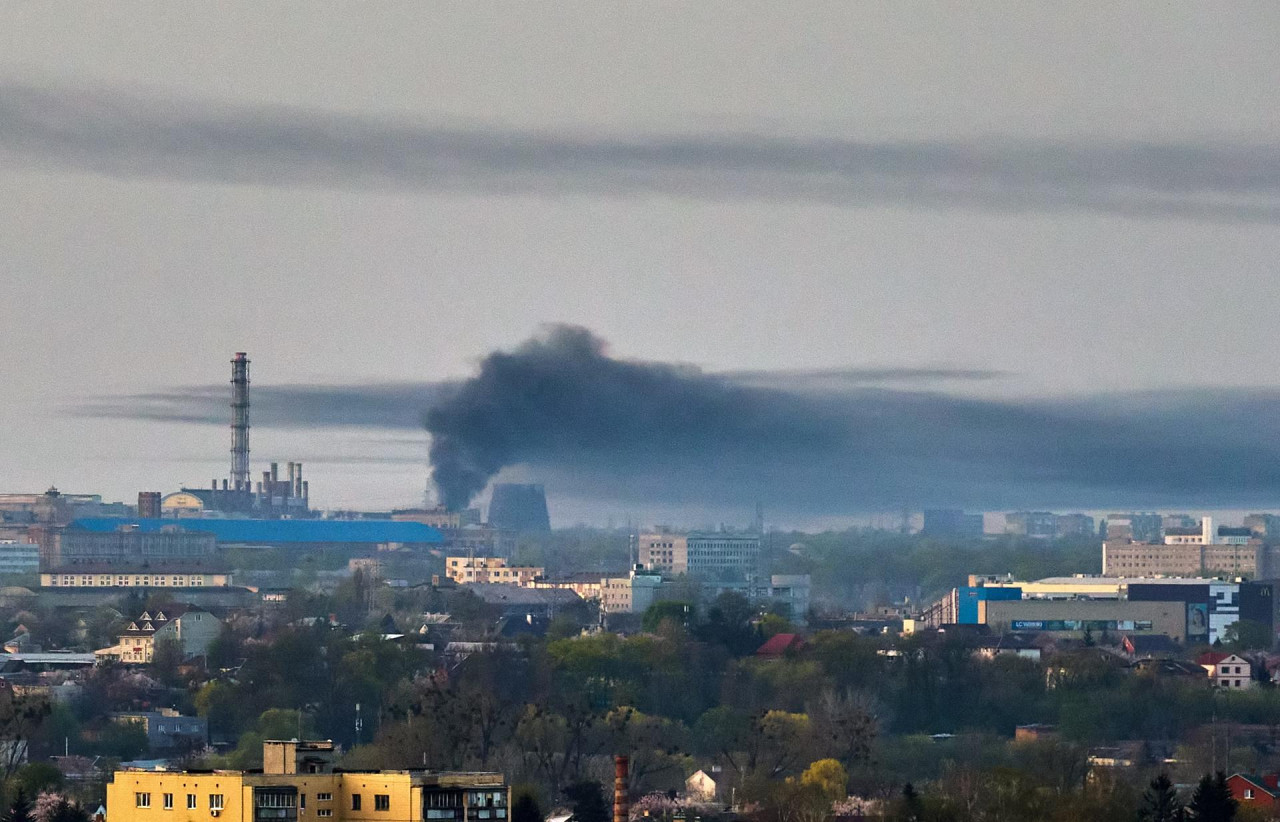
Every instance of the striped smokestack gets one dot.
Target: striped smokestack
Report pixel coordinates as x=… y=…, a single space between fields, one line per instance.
x=621 y=808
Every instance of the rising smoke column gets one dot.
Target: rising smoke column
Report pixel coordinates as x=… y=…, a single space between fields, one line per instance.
x=560 y=396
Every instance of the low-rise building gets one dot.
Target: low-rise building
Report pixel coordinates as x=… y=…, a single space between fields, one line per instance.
x=298 y=784
x=587 y=584
x=1254 y=791
x=701 y=787
x=485 y=570
x=185 y=575
x=167 y=729
x=1229 y=671
x=193 y=628
x=1075 y=618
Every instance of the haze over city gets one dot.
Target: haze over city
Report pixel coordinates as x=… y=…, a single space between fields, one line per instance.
x=906 y=212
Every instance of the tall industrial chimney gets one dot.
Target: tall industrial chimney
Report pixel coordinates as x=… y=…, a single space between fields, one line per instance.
x=621 y=807
x=240 y=421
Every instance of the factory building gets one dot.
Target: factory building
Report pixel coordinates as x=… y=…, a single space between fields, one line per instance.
x=272 y=496
x=1190 y=610
x=122 y=544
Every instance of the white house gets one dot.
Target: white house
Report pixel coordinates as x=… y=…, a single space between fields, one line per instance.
x=193 y=628
x=1230 y=671
x=700 y=787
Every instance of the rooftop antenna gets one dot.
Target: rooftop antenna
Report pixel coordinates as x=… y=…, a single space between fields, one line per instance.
x=240 y=421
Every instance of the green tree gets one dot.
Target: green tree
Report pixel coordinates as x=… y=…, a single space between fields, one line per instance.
x=35 y=778
x=64 y=810
x=1160 y=802
x=525 y=809
x=1212 y=800
x=828 y=777
x=20 y=720
x=586 y=798
x=166 y=658
x=19 y=809
x=664 y=611
x=1247 y=635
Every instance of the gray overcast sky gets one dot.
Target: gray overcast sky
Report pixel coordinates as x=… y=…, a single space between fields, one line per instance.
x=1083 y=195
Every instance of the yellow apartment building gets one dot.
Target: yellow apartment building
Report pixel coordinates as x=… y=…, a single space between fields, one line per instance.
x=463 y=570
x=298 y=784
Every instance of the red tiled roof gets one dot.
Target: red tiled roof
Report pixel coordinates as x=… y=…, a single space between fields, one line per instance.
x=778 y=644
x=1211 y=658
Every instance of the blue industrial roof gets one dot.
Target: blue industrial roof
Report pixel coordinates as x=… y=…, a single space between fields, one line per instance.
x=280 y=530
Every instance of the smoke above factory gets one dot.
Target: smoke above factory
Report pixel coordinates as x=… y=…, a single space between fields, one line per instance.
x=561 y=409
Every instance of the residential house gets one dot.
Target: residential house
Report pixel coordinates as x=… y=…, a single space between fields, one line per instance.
x=1163 y=666
x=1149 y=646
x=167 y=729
x=1227 y=670
x=193 y=628
x=1251 y=790
x=701 y=787
x=1008 y=645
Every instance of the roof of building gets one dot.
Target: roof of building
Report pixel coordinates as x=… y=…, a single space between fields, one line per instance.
x=1151 y=644
x=1258 y=782
x=161 y=567
x=1211 y=658
x=503 y=594
x=50 y=658
x=372 y=531
x=148 y=622
x=779 y=644
x=1171 y=667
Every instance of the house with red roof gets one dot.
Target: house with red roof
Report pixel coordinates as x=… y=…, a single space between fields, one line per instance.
x=1251 y=790
x=1225 y=670
x=779 y=644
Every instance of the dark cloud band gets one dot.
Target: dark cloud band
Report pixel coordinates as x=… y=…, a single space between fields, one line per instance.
x=115 y=134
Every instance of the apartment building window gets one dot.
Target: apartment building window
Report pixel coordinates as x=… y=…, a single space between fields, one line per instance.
x=355 y=801
x=168 y=802
x=302 y=801
x=324 y=797
x=325 y=813
x=191 y=802
x=142 y=800
x=381 y=802
x=215 y=801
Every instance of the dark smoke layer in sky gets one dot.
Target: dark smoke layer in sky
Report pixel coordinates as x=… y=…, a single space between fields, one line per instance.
x=558 y=408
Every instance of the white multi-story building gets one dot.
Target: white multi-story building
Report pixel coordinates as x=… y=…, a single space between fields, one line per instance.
x=19 y=557
x=700 y=552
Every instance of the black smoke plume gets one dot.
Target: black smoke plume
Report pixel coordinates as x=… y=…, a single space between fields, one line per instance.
x=560 y=410
x=610 y=428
